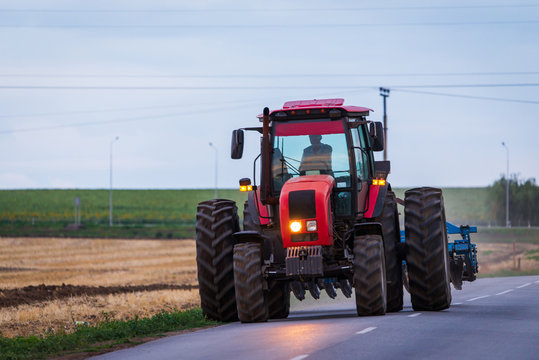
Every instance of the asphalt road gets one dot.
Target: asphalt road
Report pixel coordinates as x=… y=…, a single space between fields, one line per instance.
x=494 y=318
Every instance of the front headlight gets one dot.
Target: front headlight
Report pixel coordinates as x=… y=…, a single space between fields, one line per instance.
x=311 y=225
x=295 y=226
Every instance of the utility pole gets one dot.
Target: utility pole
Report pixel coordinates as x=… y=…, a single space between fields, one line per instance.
x=384 y=92
x=507 y=221
x=214 y=148
x=110 y=191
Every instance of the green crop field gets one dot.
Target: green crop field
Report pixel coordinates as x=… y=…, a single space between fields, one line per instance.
x=159 y=213
x=464 y=205
x=137 y=213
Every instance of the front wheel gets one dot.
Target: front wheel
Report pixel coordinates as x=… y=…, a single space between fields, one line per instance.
x=370 y=275
x=248 y=281
x=279 y=300
x=390 y=227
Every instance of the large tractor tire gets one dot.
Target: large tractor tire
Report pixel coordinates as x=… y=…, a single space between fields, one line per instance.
x=249 y=282
x=279 y=300
x=427 y=255
x=390 y=227
x=370 y=275
x=217 y=220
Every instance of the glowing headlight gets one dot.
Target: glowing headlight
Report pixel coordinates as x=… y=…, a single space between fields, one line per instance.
x=295 y=226
x=311 y=225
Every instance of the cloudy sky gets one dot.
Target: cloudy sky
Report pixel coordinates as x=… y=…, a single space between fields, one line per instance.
x=168 y=77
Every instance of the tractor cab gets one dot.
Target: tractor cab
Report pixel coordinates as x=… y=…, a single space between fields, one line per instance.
x=320 y=137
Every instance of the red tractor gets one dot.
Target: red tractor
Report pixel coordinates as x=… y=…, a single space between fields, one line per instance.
x=322 y=218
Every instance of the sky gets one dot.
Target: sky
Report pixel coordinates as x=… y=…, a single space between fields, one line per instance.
x=169 y=77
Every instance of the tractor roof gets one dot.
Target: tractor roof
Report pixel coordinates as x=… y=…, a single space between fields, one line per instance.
x=320 y=104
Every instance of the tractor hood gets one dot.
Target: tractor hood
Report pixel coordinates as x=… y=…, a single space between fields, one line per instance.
x=305 y=211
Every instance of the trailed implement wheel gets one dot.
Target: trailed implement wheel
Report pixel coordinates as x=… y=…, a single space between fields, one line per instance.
x=279 y=300
x=369 y=275
x=217 y=220
x=390 y=227
x=427 y=255
x=248 y=280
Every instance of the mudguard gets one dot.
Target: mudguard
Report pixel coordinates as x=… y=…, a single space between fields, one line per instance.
x=375 y=202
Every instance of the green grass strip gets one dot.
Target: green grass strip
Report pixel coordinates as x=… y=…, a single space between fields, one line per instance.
x=503 y=273
x=102 y=335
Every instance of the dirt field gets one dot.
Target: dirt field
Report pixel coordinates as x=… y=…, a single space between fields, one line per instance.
x=50 y=284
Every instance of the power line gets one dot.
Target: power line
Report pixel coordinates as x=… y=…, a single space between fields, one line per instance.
x=269 y=87
x=266 y=26
x=130 y=119
x=243 y=10
x=226 y=76
x=112 y=110
x=468 y=96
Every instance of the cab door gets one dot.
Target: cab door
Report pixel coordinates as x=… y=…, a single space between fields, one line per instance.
x=362 y=165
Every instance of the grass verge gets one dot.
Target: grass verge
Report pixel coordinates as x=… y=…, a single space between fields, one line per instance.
x=101 y=336
x=504 y=235
x=503 y=272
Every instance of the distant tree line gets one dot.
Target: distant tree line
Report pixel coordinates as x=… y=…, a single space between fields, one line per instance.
x=523 y=201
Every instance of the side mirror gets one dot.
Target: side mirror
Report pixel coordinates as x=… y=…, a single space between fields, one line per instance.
x=376 y=132
x=236 y=150
x=381 y=169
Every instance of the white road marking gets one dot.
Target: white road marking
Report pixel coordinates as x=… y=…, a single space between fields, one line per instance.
x=521 y=286
x=537 y=282
x=505 y=292
x=414 y=315
x=456 y=304
x=300 y=357
x=364 y=331
x=479 y=297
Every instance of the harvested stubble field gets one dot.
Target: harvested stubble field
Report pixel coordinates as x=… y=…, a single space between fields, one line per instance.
x=48 y=284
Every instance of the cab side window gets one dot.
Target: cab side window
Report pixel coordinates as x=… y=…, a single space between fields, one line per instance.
x=362 y=159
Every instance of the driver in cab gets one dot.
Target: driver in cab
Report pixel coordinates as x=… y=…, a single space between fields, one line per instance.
x=316 y=158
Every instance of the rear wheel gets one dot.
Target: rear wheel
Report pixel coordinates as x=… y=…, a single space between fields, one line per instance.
x=390 y=227
x=427 y=254
x=248 y=280
x=217 y=220
x=369 y=275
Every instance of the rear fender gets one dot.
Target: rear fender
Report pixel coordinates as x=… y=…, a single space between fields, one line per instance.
x=259 y=213
x=375 y=202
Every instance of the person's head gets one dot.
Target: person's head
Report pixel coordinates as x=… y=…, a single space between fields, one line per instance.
x=315 y=139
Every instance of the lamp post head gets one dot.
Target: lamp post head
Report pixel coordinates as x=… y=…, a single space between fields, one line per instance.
x=384 y=92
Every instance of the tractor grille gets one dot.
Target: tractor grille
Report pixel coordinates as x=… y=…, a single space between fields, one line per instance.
x=304 y=260
x=304 y=237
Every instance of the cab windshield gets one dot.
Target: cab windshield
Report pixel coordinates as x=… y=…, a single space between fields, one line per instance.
x=310 y=148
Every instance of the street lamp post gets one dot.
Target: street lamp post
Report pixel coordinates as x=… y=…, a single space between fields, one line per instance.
x=215 y=149
x=384 y=92
x=110 y=191
x=507 y=221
